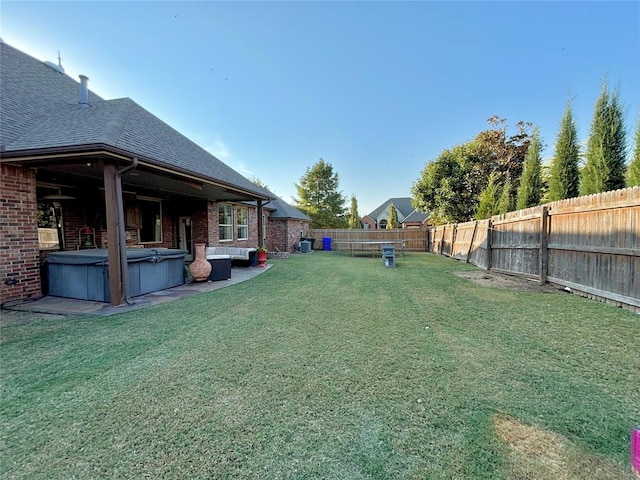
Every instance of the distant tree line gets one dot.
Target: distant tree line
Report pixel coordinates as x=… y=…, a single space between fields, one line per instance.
x=495 y=172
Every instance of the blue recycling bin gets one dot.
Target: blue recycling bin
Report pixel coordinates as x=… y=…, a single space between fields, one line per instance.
x=326 y=243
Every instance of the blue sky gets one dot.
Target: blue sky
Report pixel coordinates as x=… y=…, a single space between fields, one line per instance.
x=377 y=89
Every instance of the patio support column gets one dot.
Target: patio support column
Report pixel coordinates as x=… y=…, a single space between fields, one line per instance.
x=260 y=224
x=113 y=242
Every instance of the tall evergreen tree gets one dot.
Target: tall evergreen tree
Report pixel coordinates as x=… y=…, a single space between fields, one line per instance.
x=606 y=149
x=319 y=197
x=530 y=189
x=354 y=218
x=489 y=198
x=564 y=175
x=633 y=170
x=506 y=202
x=392 y=222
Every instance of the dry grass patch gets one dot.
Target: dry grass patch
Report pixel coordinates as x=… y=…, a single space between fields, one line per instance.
x=538 y=454
x=499 y=280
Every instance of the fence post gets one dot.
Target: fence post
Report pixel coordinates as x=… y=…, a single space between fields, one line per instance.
x=454 y=234
x=473 y=236
x=544 y=241
x=489 y=235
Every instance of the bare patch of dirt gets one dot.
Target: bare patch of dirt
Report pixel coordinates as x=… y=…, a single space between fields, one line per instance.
x=537 y=454
x=493 y=279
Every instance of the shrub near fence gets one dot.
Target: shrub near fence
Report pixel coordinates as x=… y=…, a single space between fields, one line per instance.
x=416 y=239
x=590 y=244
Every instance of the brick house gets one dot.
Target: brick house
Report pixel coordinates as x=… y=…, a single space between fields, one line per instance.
x=408 y=216
x=285 y=226
x=81 y=171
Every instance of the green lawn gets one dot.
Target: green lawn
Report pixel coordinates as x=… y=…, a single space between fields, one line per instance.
x=327 y=366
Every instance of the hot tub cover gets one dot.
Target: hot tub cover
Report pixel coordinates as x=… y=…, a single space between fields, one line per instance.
x=100 y=256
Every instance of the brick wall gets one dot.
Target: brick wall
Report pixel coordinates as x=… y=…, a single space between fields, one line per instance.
x=284 y=234
x=367 y=220
x=19 y=256
x=254 y=234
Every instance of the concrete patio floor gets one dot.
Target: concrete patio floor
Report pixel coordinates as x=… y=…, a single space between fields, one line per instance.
x=69 y=306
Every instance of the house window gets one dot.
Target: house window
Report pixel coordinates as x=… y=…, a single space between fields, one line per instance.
x=151 y=220
x=225 y=222
x=50 y=234
x=242 y=214
x=383 y=224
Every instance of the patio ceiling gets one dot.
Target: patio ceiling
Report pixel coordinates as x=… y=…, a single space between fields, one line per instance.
x=147 y=178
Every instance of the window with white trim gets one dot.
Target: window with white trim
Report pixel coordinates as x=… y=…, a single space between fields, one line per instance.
x=242 y=228
x=225 y=222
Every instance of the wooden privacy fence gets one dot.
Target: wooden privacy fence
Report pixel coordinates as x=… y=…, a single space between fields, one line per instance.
x=590 y=244
x=415 y=239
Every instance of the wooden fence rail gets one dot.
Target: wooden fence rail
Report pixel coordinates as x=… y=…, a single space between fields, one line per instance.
x=590 y=244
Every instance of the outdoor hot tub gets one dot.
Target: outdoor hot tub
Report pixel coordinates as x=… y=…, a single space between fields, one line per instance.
x=84 y=274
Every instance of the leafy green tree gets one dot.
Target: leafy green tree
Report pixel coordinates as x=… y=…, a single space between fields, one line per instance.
x=564 y=175
x=606 y=149
x=489 y=198
x=493 y=151
x=354 y=218
x=392 y=222
x=319 y=197
x=442 y=188
x=506 y=202
x=449 y=188
x=530 y=189
x=633 y=170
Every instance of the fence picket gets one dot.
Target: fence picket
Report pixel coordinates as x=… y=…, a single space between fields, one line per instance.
x=590 y=244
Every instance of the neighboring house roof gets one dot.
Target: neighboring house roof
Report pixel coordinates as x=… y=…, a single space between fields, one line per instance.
x=416 y=217
x=39 y=110
x=402 y=204
x=405 y=209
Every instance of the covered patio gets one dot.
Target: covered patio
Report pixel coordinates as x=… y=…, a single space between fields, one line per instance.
x=81 y=172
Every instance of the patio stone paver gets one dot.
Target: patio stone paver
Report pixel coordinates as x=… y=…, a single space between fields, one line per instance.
x=69 y=306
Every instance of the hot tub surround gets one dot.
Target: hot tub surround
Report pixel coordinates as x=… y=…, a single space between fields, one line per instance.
x=84 y=274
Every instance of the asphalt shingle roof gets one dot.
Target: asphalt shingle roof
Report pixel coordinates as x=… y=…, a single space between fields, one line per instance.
x=404 y=206
x=39 y=109
x=416 y=216
x=30 y=92
x=283 y=210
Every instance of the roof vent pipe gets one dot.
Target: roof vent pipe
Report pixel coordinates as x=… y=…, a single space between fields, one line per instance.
x=84 y=91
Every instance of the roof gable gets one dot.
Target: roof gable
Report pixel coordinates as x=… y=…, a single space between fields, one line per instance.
x=406 y=212
x=402 y=204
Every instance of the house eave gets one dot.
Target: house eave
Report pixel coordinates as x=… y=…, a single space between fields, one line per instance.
x=77 y=153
